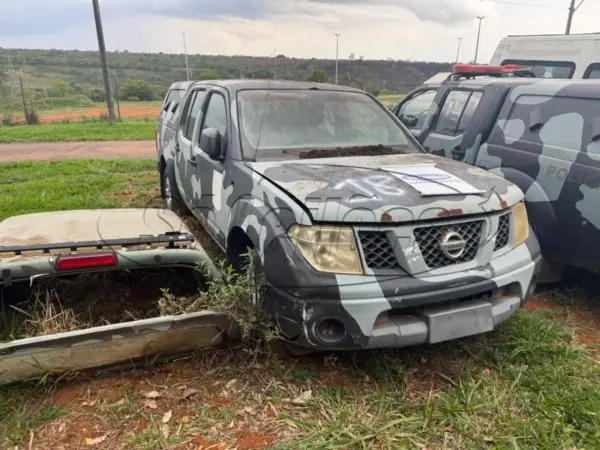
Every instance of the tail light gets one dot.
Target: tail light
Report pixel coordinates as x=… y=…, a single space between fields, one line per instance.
x=81 y=262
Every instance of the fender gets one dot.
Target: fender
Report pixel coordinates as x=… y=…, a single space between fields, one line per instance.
x=540 y=209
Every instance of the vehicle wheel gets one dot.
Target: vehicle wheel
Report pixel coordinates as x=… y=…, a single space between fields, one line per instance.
x=170 y=191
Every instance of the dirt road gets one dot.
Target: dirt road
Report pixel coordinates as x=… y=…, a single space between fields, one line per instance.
x=52 y=151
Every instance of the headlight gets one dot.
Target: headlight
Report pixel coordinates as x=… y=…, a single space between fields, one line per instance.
x=327 y=248
x=521 y=224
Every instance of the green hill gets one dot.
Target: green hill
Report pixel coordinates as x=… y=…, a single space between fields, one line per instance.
x=40 y=68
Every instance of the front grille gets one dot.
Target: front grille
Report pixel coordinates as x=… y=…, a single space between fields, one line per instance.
x=503 y=233
x=430 y=238
x=377 y=249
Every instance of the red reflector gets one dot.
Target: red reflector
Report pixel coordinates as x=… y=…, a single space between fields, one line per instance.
x=85 y=262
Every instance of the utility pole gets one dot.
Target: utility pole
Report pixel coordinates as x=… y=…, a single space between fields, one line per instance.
x=337 y=54
x=187 y=67
x=117 y=93
x=478 y=36
x=104 y=61
x=458 y=50
x=572 y=10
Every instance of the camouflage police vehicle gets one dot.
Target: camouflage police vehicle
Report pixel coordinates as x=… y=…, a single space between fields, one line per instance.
x=363 y=239
x=541 y=134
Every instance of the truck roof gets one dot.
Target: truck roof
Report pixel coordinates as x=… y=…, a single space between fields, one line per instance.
x=278 y=84
x=566 y=37
x=542 y=84
x=240 y=84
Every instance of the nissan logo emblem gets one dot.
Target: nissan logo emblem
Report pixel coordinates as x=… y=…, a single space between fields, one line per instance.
x=453 y=245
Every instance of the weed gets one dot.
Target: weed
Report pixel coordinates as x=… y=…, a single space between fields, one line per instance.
x=237 y=294
x=226 y=414
x=16 y=419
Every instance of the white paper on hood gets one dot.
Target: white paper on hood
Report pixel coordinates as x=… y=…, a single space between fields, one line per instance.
x=430 y=180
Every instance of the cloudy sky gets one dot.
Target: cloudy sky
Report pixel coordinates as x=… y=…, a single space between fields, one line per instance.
x=398 y=29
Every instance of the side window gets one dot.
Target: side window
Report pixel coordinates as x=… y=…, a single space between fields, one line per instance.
x=216 y=114
x=192 y=113
x=469 y=112
x=545 y=69
x=592 y=72
x=457 y=112
x=414 y=111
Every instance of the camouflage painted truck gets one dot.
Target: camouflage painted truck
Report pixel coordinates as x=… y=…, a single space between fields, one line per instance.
x=70 y=244
x=541 y=134
x=363 y=239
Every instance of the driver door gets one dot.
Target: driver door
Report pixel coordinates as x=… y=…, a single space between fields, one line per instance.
x=211 y=206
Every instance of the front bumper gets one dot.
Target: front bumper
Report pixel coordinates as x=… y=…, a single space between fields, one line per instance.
x=435 y=314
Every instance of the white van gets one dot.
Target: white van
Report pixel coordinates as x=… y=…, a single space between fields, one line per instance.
x=552 y=55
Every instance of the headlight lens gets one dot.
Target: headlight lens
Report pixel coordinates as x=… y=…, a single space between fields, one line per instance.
x=327 y=248
x=521 y=224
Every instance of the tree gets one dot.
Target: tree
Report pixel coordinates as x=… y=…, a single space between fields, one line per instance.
x=59 y=89
x=208 y=75
x=96 y=94
x=317 y=76
x=352 y=57
x=76 y=88
x=137 y=88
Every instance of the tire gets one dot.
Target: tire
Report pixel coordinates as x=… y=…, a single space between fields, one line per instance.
x=170 y=191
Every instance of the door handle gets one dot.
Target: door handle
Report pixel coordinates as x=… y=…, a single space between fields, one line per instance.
x=192 y=161
x=177 y=147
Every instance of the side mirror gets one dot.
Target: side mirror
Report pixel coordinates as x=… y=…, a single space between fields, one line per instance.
x=210 y=143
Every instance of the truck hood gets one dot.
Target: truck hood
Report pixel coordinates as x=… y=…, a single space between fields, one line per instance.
x=390 y=188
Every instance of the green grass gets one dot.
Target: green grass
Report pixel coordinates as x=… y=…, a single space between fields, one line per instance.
x=391 y=100
x=527 y=385
x=75 y=132
x=35 y=187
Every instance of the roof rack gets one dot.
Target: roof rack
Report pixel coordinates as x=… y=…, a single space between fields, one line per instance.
x=470 y=71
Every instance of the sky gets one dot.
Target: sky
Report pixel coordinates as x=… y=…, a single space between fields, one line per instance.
x=423 y=30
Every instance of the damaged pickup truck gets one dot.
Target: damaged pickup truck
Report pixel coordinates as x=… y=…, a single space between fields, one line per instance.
x=363 y=239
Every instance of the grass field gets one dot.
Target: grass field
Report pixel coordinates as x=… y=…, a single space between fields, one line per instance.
x=533 y=383
x=76 y=132
x=391 y=100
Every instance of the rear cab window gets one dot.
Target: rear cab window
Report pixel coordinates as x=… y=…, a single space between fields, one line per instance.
x=457 y=112
x=545 y=69
x=171 y=103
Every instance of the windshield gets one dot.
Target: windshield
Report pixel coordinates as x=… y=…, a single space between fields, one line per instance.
x=273 y=121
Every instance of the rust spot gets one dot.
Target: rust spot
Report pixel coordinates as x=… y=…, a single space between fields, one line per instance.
x=503 y=203
x=385 y=217
x=450 y=213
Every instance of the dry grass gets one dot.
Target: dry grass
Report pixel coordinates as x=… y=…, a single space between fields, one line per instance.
x=84 y=301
